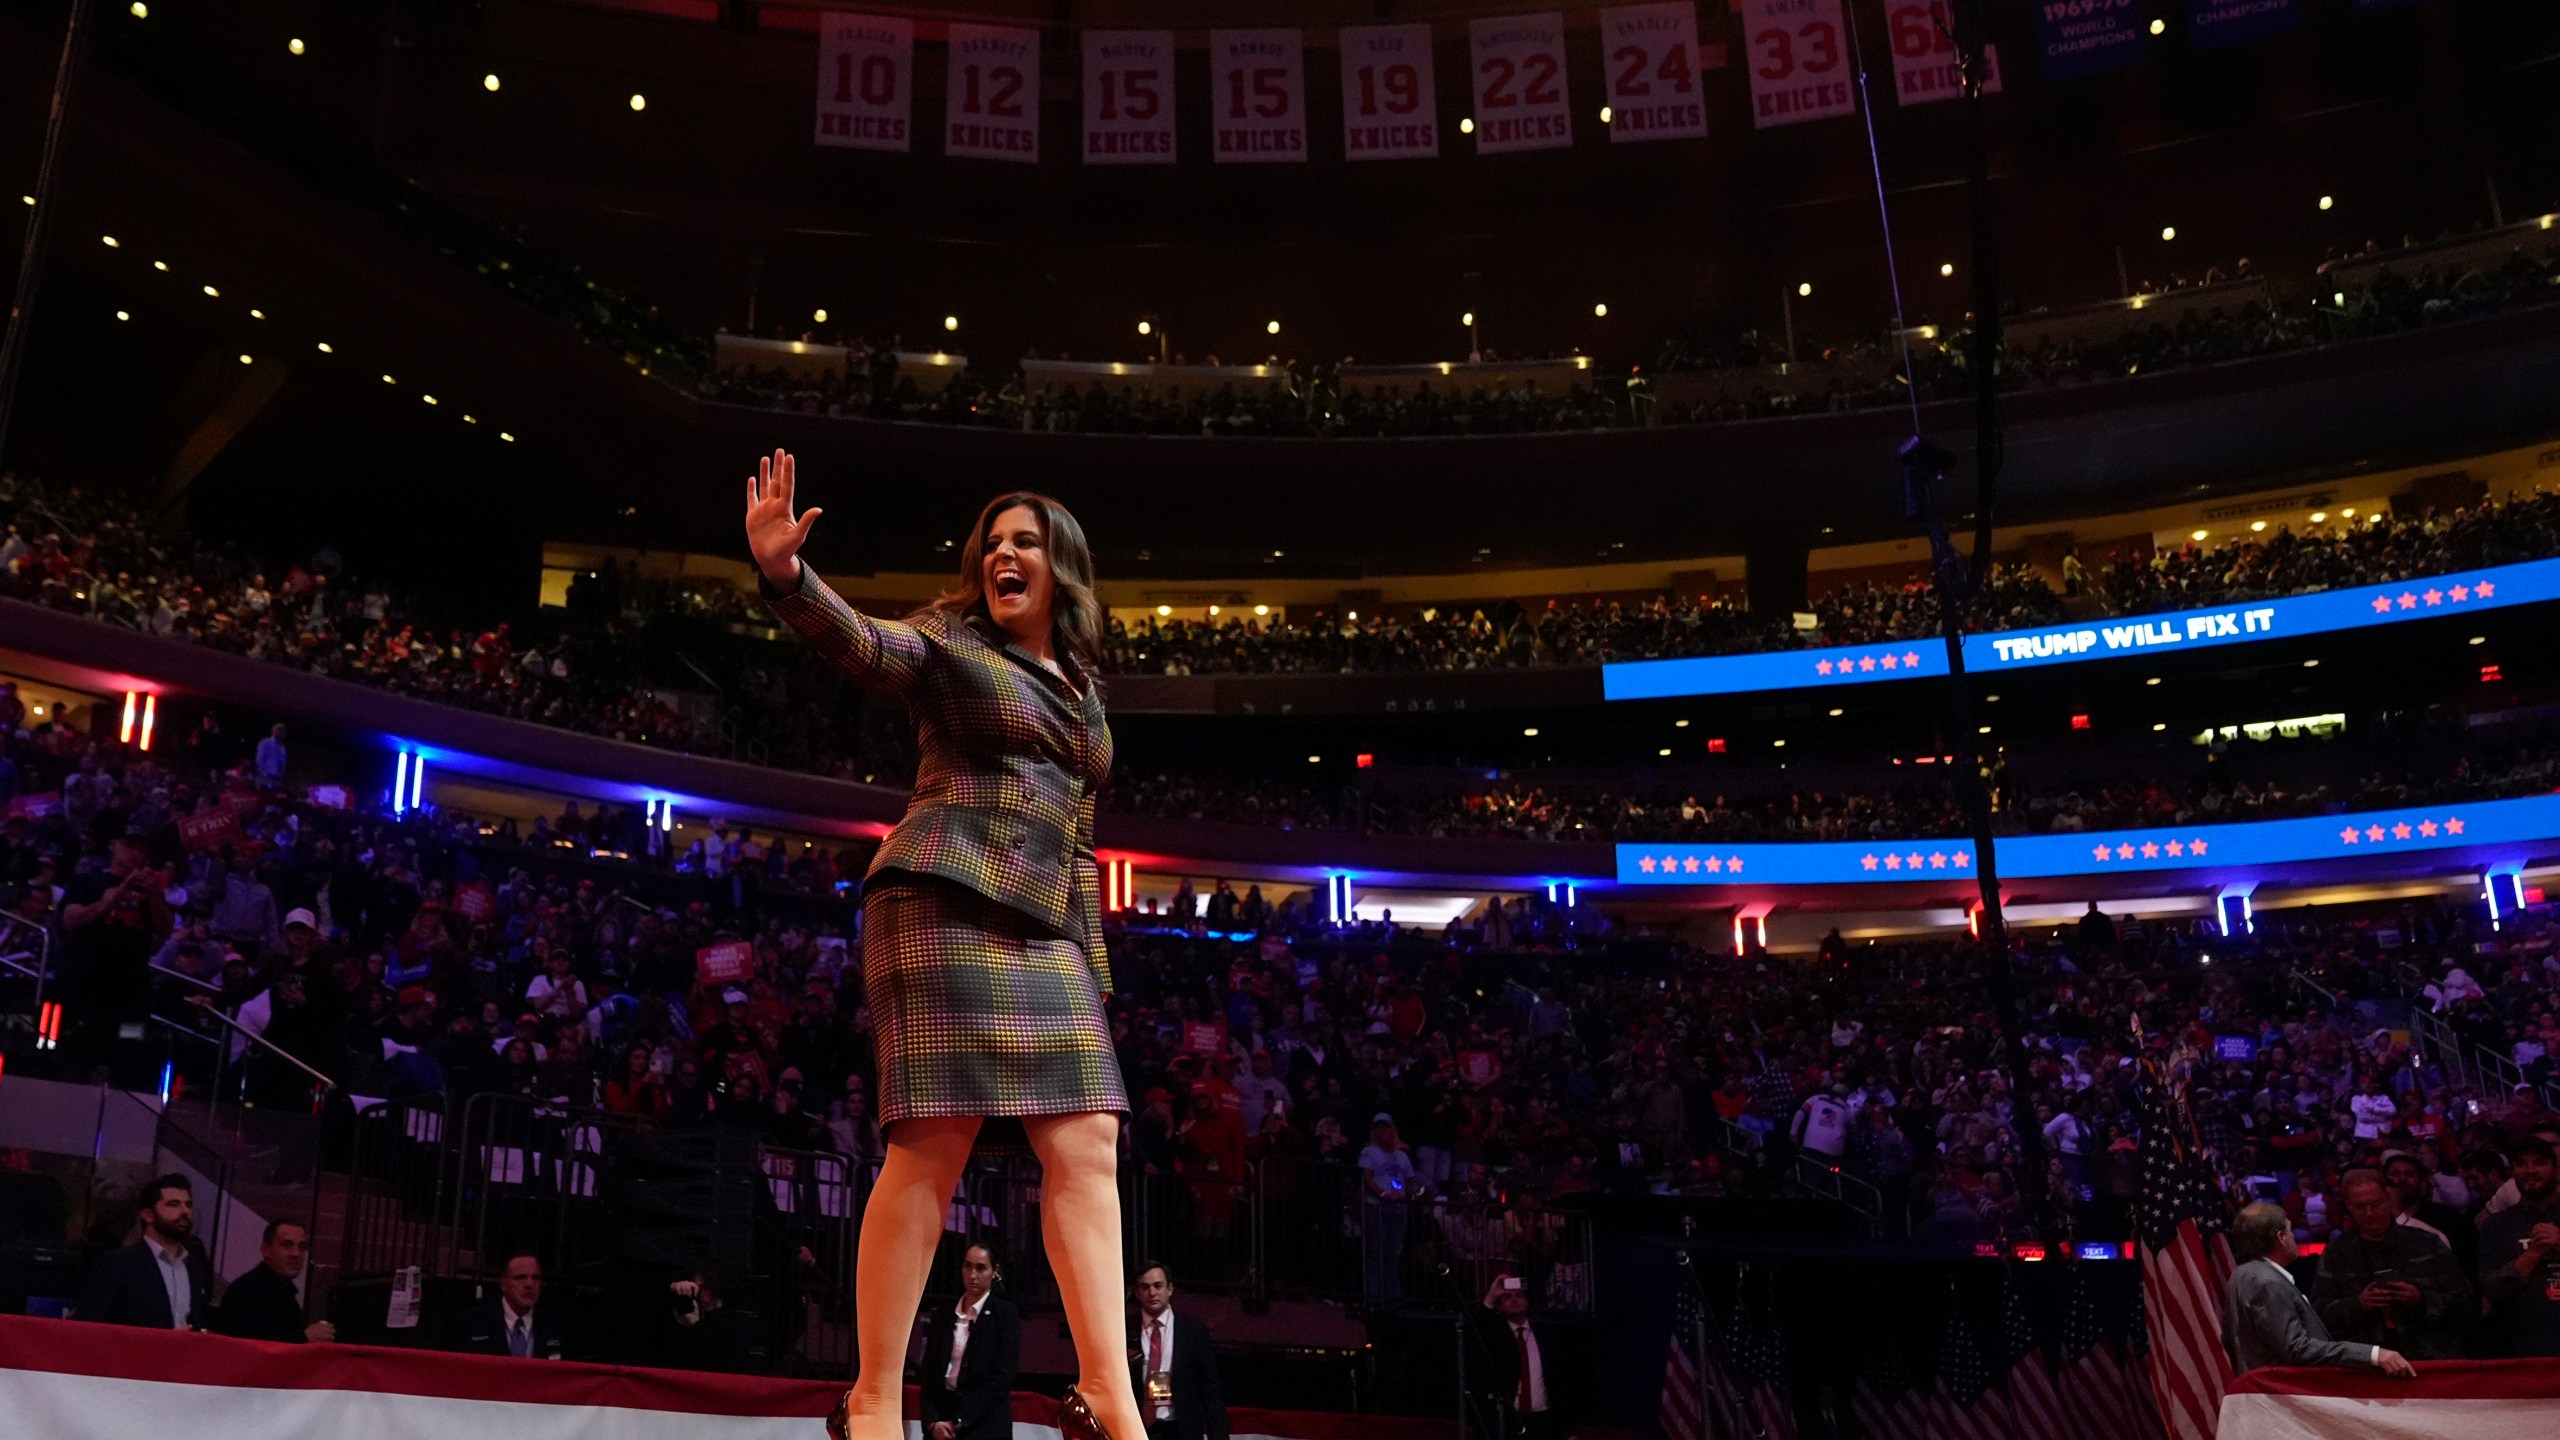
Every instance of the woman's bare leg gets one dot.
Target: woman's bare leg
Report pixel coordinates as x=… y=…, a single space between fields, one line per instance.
x=901 y=1226
x=1080 y=1223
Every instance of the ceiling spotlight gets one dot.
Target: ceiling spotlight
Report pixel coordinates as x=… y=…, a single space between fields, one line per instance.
x=1600 y=311
x=1466 y=124
x=2257 y=526
x=245 y=360
x=1261 y=609
x=140 y=10
x=1679 y=724
x=1467 y=319
x=1213 y=610
x=325 y=350
x=1777 y=744
x=2198 y=535
x=1146 y=328
x=2319 y=515
x=1837 y=712
x=2328 y=202
x=257 y=314
x=387 y=380
x=1315 y=759
x=2168 y=232
x=2159 y=27
x=1607 y=115
x=160 y=265
x=489 y=83
x=1164 y=610
x=2159 y=725
x=124 y=314
x=1665 y=750
x=950 y=322
x=819 y=315
x=293 y=46
x=470 y=419
x=430 y=399
x=2479 y=639
x=1531 y=732
x=1804 y=287
x=639 y=103
x=212 y=293
x=112 y=242
x=1982 y=730
x=507 y=436
x=2310 y=664
x=1271 y=327
x=2154 y=680
x=1947 y=268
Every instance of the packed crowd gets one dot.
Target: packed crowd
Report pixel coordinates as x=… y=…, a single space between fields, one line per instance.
x=1305 y=400
x=1594 y=808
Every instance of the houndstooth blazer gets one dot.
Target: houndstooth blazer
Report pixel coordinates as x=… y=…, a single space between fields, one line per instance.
x=1010 y=757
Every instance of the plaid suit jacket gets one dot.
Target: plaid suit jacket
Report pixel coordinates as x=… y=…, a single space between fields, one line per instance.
x=1010 y=757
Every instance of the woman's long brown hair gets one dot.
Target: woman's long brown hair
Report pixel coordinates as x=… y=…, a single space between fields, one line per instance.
x=1075 y=612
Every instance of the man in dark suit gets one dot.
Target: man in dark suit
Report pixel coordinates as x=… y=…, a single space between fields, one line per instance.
x=161 y=1281
x=1513 y=1367
x=972 y=1351
x=2266 y=1319
x=1172 y=1365
x=266 y=1303
x=516 y=1323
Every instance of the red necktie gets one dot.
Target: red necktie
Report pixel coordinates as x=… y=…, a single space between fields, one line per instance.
x=1520 y=1338
x=1155 y=1347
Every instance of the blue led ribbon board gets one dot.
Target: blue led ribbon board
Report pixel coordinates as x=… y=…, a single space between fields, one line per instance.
x=2101 y=852
x=1996 y=652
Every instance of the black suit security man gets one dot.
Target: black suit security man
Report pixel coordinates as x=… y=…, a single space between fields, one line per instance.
x=161 y=1281
x=972 y=1399
x=1513 y=1366
x=1172 y=1365
x=266 y=1302
x=516 y=1323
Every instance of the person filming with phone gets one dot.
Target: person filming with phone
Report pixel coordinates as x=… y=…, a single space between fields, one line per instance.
x=2390 y=1284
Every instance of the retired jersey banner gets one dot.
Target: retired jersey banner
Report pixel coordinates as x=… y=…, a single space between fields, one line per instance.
x=1924 y=53
x=1258 y=95
x=1651 y=56
x=2087 y=37
x=2212 y=24
x=1389 y=109
x=1521 y=103
x=1798 y=52
x=1128 y=97
x=866 y=81
x=992 y=110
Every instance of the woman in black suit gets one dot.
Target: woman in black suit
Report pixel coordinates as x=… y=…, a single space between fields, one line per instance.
x=973 y=1399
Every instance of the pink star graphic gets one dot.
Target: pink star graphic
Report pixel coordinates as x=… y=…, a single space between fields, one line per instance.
x=2101 y=851
x=2400 y=831
x=2124 y=852
x=1690 y=864
x=1960 y=860
x=2177 y=849
x=2484 y=589
x=1866 y=662
x=2350 y=835
x=1733 y=864
x=2150 y=851
x=2452 y=826
x=1890 y=662
x=1645 y=864
x=2461 y=592
x=2408 y=601
x=2195 y=847
x=2373 y=832
x=1824 y=666
x=2434 y=596
x=1867 y=861
x=1892 y=862
x=2381 y=603
x=1670 y=864
x=1910 y=659
x=1714 y=866
x=2427 y=828
x=1938 y=860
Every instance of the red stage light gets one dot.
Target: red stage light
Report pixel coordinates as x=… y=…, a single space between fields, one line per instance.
x=1716 y=746
x=2079 y=722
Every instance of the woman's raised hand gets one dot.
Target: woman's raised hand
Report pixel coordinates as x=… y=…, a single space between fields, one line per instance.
x=774 y=537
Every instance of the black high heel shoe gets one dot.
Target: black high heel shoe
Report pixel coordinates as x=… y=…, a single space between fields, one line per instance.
x=1076 y=1420
x=840 y=1419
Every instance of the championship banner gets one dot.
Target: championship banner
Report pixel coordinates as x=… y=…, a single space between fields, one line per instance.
x=992 y=108
x=1924 y=53
x=1390 y=109
x=1258 y=96
x=866 y=81
x=2212 y=24
x=1521 y=100
x=1128 y=97
x=1799 y=58
x=2476 y=1399
x=2087 y=37
x=71 y=1380
x=1651 y=57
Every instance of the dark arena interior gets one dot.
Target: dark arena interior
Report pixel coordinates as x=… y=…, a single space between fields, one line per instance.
x=1739 y=720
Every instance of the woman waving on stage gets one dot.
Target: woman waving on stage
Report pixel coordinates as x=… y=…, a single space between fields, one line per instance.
x=982 y=956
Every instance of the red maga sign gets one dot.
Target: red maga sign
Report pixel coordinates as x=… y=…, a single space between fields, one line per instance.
x=728 y=960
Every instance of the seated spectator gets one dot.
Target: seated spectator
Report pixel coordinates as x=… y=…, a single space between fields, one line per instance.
x=266 y=1302
x=162 y=1280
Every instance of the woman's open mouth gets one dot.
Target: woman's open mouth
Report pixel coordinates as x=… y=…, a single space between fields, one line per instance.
x=1010 y=585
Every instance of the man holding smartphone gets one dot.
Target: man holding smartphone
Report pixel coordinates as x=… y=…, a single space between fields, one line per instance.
x=2389 y=1284
x=1514 y=1367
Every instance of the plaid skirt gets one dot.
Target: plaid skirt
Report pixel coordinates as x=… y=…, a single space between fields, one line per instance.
x=977 y=1009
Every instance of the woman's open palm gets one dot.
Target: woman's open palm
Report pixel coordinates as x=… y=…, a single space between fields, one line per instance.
x=774 y=536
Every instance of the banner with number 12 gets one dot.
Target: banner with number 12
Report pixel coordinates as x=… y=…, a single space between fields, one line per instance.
x=993 y=107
